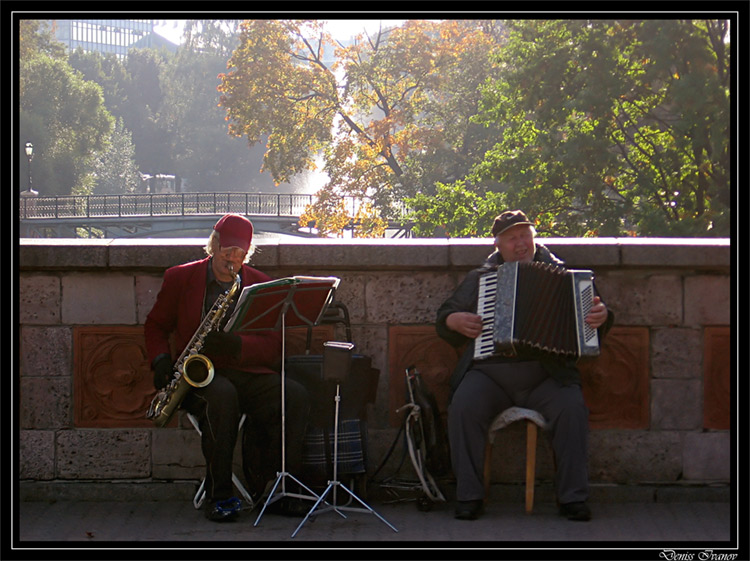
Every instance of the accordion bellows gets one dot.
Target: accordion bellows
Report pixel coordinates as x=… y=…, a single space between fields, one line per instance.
x=536 y=307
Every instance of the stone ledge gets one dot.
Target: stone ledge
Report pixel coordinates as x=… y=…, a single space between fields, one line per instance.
x=410 y=253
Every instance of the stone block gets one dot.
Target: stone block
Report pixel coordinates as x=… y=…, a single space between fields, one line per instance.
x=103 y=454
x=412 y=298
x=363 y=253
x=675 y=252
x=469 y=253
x=676 y=353
x=155 y=253
x=266 y=254
x=39 y=299
x=707 y=456
x=112 y=380
x=707 y=300
x=176 y=454
x=585 y=253
x=676 y=405
x=629 y=457
x=351 y=293
x=419 y=346
x=36 y=454
x=717 y=378
x=616 y=383
x=46 y=351
x=98 y=299
x=644 y=299
x=45 y=403
x=146 y=290
x=63 y=254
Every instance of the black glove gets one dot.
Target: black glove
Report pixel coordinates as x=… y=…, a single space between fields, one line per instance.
x=163 y=371
x=221 y=344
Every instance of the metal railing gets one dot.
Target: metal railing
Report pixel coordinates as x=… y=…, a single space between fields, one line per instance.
x=172 y=204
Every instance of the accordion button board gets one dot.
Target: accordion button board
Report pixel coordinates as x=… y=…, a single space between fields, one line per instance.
x=536 y=307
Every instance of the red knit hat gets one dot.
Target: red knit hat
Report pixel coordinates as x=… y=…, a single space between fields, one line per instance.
x=234 y=231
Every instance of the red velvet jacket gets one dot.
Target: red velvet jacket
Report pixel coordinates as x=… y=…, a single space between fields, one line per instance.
x=177 y=314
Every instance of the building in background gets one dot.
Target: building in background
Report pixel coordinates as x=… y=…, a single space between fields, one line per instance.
x=116 y=36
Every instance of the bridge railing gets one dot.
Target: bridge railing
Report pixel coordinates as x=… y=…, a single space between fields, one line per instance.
x=172 y=204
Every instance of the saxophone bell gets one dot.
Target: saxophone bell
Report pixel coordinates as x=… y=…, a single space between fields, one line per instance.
x=198 y=370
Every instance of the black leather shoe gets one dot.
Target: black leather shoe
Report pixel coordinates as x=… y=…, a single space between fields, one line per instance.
x=576 y=511
x=469 y=510
x=224 y=511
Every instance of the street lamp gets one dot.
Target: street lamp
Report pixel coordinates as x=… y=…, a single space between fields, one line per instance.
x=29 y=149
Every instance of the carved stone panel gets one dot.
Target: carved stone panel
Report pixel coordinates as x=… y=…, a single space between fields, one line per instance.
x=112 y=381
x=616 y=383
x=419 y=346
x=717 y=368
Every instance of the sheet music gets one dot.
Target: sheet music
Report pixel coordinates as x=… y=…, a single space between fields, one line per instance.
x=274 y=293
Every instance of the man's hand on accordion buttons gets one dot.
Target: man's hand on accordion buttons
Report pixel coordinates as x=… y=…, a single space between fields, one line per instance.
x=597 y=314
x=466 y=323
x=221 y=343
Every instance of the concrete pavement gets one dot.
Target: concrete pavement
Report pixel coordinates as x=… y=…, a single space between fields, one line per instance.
x=618 y=529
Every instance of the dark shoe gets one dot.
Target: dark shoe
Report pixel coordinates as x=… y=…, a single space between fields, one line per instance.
x=469 y=510
x=289 y=506
x=224 y=511
x=576 y=511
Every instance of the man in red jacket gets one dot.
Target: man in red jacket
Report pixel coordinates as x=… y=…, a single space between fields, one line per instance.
x=246 y=378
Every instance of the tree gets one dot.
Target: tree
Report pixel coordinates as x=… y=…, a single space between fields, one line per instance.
x=611 y=127
x=144 y=99
x=386 y=114
x=114 y=169
x=200 y=148
x=64 y=116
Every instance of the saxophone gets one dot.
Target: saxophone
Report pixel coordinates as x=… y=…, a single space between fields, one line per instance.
x=192 y=369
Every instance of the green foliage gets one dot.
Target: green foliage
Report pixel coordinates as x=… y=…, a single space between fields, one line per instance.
x=454 y=211
x=613 y=128
x=64 y=117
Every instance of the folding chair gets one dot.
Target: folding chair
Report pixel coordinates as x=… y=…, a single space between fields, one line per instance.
x=200 y=494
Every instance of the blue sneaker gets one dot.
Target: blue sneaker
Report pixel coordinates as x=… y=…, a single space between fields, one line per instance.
x=224 y=511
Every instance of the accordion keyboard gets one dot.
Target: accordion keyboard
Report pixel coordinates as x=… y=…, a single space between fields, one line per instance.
x=484 y=345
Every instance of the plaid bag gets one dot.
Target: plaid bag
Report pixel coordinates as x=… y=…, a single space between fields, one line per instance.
x=317 y=459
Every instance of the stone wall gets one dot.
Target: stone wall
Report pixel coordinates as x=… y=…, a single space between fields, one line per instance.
x=659 y=394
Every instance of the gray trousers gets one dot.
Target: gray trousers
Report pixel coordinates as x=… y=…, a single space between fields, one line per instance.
x=488 y=389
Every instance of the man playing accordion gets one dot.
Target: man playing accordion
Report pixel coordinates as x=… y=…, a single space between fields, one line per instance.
x=481 y=389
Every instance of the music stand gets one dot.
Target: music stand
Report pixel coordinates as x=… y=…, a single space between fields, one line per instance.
x=337 y=364
x=287 y=302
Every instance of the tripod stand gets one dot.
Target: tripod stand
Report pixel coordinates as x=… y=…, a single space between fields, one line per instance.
x=335 y=369
x=286 y=303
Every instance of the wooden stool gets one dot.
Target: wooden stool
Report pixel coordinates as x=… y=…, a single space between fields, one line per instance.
x=534 y=420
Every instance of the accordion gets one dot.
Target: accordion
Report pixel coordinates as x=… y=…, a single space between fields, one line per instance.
x=536 y=307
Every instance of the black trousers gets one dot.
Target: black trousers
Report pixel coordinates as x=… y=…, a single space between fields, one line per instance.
x=486 y=391
x=219 y=407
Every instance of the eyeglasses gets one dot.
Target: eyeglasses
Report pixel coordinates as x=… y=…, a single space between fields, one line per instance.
x=231 y=253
